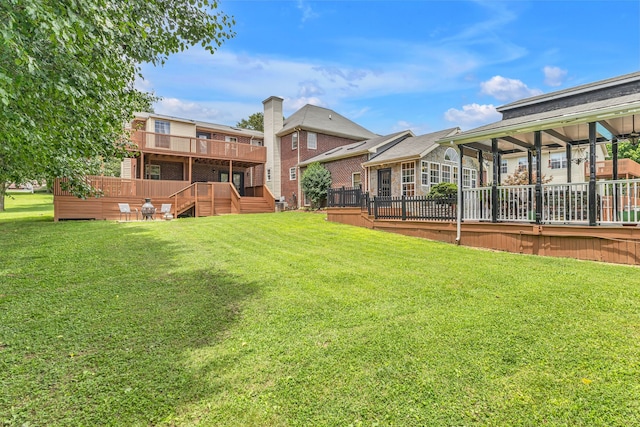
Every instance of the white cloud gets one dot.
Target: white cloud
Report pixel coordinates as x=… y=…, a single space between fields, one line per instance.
x=215 y=112
x=553 y=76
x=417 y=129
x=294 y=104
x=307 y=11
x=472 y=115
x=504 y=89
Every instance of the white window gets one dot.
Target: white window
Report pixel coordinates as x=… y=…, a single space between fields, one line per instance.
x=408 y=179
x=523 y=163
x=230 y=139
x=163 y=129
x=474 y=178
x=504 y=167
x=355 y=180
x=268 y=174
x=424 y=172
x=445 y=173
x=466 y=178
x=294 y=141
x=558 y=161
x=292 y=174
x=434 y=173
x=152 y=171
x=451 y=155
x=454 y=175
x=312 y=141
x=163 y=126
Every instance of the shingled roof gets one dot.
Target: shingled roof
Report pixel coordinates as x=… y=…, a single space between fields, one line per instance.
x=323 y=120
x=411 y=148
x=372 y=145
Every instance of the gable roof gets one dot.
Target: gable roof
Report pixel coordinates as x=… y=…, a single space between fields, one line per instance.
x=326 y=121
x=358 y=148
x=411 y=148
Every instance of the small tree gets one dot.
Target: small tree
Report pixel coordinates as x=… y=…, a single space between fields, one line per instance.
x=443 y=190
x=254 y=122
x=316 y=180
x=521 y=177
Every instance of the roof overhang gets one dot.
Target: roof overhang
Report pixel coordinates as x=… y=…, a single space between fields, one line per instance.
x=556 y=125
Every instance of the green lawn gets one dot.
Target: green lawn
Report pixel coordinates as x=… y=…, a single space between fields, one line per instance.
x=287 y=319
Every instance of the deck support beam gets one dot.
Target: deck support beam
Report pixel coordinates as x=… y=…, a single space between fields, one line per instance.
x=537 y=139
x=496 y=178
x=592 y=174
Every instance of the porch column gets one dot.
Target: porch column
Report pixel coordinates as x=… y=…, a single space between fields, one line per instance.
x=568 y=150
x=537 y=140
x=231 y=171
x=494 y=184
x=614 y=154
x=529 y=167
x=616 y=198
x=460 y=182
x=190 y=170
x=592 y=174
x=480 y=169
x=141 y=168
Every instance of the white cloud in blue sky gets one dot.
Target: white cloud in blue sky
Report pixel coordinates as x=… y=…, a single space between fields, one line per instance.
x=424 y=64
x=554 y=76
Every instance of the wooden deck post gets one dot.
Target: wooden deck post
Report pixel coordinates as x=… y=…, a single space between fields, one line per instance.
x=537 y=140
x=496 y=178
x=592 y=175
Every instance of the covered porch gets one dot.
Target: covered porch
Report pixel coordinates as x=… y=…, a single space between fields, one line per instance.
x=570 y=121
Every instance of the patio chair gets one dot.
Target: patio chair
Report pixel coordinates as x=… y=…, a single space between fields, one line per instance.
x=126 y=210
x=165 y=209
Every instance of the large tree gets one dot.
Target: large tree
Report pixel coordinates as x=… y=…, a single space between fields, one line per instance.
x=254 y=122
x=67 y=74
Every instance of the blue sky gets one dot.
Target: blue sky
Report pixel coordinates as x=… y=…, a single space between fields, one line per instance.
x=395 y=65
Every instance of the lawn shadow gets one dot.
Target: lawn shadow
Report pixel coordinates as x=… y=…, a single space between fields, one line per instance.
x=108 y=314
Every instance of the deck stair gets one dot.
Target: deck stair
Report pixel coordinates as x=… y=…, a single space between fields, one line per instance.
x=254 y=205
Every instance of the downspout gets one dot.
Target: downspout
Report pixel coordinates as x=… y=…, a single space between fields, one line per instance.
x=459 y=204
x=299 y=186
x=251 y=169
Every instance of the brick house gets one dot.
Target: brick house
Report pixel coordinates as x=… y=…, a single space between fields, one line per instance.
x=307 y=133
x=415 y=164
x=198 y=168
x=345 y=163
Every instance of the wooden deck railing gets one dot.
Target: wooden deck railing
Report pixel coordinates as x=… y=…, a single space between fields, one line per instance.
x=108 y=186
x=205 y=148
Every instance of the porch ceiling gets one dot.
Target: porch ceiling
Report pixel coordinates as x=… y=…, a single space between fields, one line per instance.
x=616 y=117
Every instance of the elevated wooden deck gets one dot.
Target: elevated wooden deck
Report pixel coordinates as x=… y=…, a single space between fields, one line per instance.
x=241 y=154
x=197 y=199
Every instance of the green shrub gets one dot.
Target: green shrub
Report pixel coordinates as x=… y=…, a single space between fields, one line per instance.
x=444 y=189
x=316 y=180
